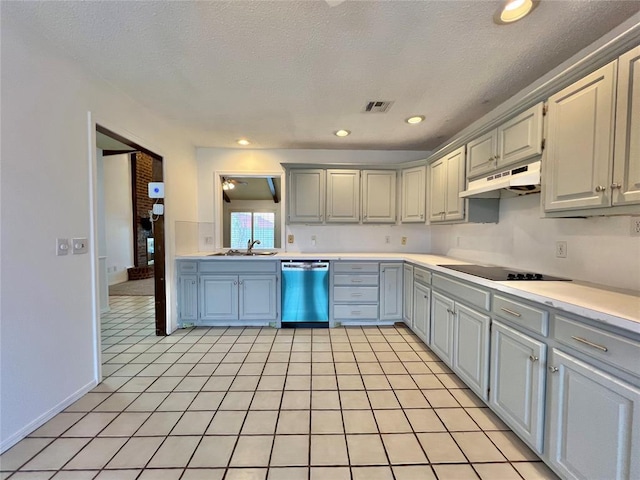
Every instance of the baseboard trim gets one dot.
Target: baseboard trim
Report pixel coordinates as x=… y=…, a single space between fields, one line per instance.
x=7 y=443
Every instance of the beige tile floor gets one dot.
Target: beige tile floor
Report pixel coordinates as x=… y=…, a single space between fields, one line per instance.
x=263 y=404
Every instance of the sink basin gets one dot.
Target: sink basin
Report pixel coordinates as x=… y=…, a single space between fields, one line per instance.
x=239 y=253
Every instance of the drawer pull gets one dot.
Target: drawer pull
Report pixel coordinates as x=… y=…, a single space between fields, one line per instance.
x=356 y=268
x=354 y=280
x=356 y=294
x=591 y=344
x=533 y=358
x=356 y=312
x=510 y=312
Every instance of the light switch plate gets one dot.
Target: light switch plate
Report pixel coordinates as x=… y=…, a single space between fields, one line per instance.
x=79 y=246
x=62 y=246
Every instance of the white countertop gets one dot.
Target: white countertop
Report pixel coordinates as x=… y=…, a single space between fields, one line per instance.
x=595 y=302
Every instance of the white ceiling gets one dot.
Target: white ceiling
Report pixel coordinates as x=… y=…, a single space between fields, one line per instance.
x=286 y=74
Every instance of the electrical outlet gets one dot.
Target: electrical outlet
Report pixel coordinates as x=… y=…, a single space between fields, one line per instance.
x=313 y=240
x=403 y=241
x=290 y=238
x=387 y=239
x=635 y=226
x=561 y=249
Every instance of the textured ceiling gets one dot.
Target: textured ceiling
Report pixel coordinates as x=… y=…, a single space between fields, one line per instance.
x=286 y=74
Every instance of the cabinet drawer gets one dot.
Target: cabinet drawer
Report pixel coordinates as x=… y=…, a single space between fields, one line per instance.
x=470 y=295
x=421 y=275
x=355 y=294
x=187 y=267
x=355 y=267
x=356 y=279
x=607 y=347
x=355 y=312
x=525 y=316
x=239 y=266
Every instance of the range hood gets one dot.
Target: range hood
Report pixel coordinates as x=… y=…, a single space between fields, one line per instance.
x=521 y=180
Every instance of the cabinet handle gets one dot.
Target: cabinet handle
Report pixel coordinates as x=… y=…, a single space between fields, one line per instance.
x=353 y=280
x=421 y=215
x=591 y=344
x=533 y=358
x=452 y=312
x=241 y=282
x=235 y=283
x=553 y=369
x=356 y=295
x=510 y=312
x=600 y=188
x=356 y=312
x=616 y=186
x=496 y=158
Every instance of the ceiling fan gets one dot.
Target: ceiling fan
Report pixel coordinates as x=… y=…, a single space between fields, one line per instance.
x=230 y=183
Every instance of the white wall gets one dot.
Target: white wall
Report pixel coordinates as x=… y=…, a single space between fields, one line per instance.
x=599 y=249
x=49 y=308
x=363 y=238
x=118 y=216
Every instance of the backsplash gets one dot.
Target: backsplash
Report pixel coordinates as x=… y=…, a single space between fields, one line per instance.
x=599 y=249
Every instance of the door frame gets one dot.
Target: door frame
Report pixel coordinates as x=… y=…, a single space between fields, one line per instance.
x=95 y=123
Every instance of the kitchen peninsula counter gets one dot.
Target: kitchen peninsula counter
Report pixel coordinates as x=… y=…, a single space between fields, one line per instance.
x=610 y=306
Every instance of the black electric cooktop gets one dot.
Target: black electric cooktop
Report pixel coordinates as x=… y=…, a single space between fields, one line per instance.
x=501 y=274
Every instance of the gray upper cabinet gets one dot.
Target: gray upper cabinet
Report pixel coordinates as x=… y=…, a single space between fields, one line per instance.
x=515 y=140
x=626 y=158
x=482 y=154
x=379 y=196
x=413 y=195
x=577 y=171
x=343 y=196
x=446 y=181
x=306 y=190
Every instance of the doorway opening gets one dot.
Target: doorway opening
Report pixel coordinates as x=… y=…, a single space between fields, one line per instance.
x=145 y=274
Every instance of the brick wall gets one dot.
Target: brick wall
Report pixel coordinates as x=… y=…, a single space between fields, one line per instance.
x=143 y=168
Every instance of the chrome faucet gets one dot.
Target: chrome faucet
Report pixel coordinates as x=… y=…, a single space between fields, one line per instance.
x=250 y=245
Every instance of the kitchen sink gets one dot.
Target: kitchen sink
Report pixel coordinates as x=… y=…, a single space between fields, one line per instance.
x=239 y=253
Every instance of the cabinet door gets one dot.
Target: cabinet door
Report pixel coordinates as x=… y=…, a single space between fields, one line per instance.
x=471 y=349
x=594 y=427
x=391 y=291
x=421 y=311
x=517 y=382
x=407 y=297
x=257 y=297
x=413 y=195
x=378 y=196
x=437 y=190
x=218 y=297
x=188 y=298
x=482 y=154
x=454 y=205
x=579 y=153
x=343 y=196
x=626 y=160
x=521 y=137
x=306 y=191
x=441 y=337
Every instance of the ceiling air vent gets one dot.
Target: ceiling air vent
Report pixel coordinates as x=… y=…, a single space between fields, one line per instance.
x=377 y=106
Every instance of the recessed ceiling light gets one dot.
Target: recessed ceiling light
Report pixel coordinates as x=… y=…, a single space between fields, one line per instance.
x=342 y=133
x=243 y=141
x=514 y=10
x=414 y=120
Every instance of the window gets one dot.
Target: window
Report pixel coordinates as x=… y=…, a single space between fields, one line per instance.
x=252 y=225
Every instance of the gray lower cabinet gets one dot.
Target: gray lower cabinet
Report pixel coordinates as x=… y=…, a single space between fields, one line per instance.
x=421 y=310
x=391 y=291
x=238 y=297
x=471 y=348
x=407 y=296
x=517 y=382
x=218 y=297
x=188 y=298
x=594 y=421
x=441 y=335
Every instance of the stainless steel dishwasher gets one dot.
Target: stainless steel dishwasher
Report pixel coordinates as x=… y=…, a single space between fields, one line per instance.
x=305 y=294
